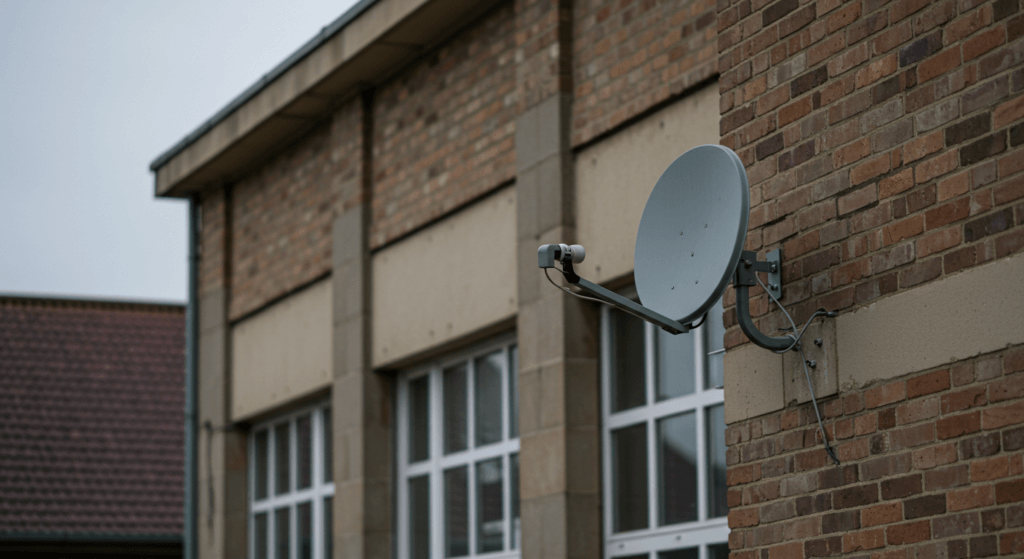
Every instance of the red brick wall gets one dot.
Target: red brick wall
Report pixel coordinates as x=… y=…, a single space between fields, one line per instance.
x=931 y=467
x=630 y=55
x=882 y=139
x=211 y=241
x=444 y=130
x=883 y=146
x=282 y=214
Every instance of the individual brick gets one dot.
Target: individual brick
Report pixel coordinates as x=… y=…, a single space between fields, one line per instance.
x=863 y=540
x=886 y=513
x=900 y=487
x=982 y=149
x=958 y=425
x=970 y=498
x=903 y=534
x=990 y=468
x=856 y=496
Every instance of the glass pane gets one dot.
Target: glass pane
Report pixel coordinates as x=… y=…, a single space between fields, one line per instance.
x=677 y=468
x=259 y=529
x=456 y=512
x=691 y=553
x=419 y=518
x=328 y=446
x=714 y=335
x=676 y=366
x=513 y=391
x=629 y=477
x=455 y=409
x=304 y=451
x=718 y=551
x=490 y=508
x=304 y=519
x=419 y=419
x=628 y=378
x=328 y=527
x=487 y=388
x=281 y=462
x=281 y=533
x=260 y=465
x=717 y=502
x=513 y=467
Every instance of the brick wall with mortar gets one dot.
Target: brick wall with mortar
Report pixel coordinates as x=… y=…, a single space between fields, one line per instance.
x=883 y=146
x=882 y=140
x=629 y=56
x=211 y=241
x=282 y=213
x=931 y=468
x=444 y=128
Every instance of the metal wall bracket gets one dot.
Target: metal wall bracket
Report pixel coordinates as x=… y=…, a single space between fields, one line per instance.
x=774 y=259
x=746 y=277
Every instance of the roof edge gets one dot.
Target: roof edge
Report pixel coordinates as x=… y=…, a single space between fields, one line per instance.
x=70 y=301
x=311 y=45
x=98 y=537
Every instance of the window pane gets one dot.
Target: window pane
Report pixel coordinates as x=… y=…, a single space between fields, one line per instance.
x=513 y=391
x=629 y=477
x=281 y=533
x=628 y=379
x=718 y=551
x=304 y=519
x=513 y=467
x=260 y=466
x=419 y=518
x=714 y=335
x=419 y=419
x=487 y=388
x=691 y=553
x=717 y=502
x=304 y=451
x=677 y=468
x=455 y=409
x=490 y=506
x=676 y=366
x=328 y=446
x=328 y=527
x=260 y=535
x=281 y=462
x=456 y=512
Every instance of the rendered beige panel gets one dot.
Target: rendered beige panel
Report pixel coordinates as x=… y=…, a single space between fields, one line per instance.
x=976 y=311
x=753 y=383
x=282 y=353
x=615 y=176
x=447 y=280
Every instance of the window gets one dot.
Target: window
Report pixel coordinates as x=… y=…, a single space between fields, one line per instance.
x=290 y=486
x=663 y=439
x=458 y=457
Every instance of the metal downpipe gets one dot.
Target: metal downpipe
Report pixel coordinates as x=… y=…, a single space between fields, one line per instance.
x=190 y=539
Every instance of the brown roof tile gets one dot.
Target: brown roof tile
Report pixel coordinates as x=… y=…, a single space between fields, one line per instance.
x=91 y=417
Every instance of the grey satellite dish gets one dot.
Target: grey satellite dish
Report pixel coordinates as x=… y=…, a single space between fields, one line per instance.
x=688 y=247
x=692 y=233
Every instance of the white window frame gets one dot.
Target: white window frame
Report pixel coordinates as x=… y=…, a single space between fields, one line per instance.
x=435 y=466
x=700 y=533
x=314 y=494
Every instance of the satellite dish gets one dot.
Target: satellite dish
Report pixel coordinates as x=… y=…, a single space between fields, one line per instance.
x=689 y=246
x=692 y=233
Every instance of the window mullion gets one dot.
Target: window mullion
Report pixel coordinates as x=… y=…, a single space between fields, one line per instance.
x=402 y=440
x=606 y=482
x=652 y=441
x=435 y=482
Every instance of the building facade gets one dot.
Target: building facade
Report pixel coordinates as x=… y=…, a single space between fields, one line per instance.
x=382 y=371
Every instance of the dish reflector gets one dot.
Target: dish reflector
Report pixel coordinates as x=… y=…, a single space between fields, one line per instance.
x=691 y=233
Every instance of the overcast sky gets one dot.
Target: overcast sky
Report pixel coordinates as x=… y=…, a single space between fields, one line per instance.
x=92 y=92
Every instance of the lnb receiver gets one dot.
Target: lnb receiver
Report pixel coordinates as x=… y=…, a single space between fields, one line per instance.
x=547 y=255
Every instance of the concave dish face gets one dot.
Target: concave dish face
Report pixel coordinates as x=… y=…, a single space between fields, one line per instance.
x=692 y=233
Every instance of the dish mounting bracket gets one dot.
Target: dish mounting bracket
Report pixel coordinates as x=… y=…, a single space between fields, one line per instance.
x=746 y=277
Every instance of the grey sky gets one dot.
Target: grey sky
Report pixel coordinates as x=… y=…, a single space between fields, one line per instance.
x=90 y=93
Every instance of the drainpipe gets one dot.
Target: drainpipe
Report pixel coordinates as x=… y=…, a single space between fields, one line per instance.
x=190 y=540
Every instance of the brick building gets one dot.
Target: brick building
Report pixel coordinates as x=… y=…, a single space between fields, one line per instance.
x=384 y=371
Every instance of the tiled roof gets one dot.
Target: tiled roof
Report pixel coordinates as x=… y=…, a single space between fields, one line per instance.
x=91 y=417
